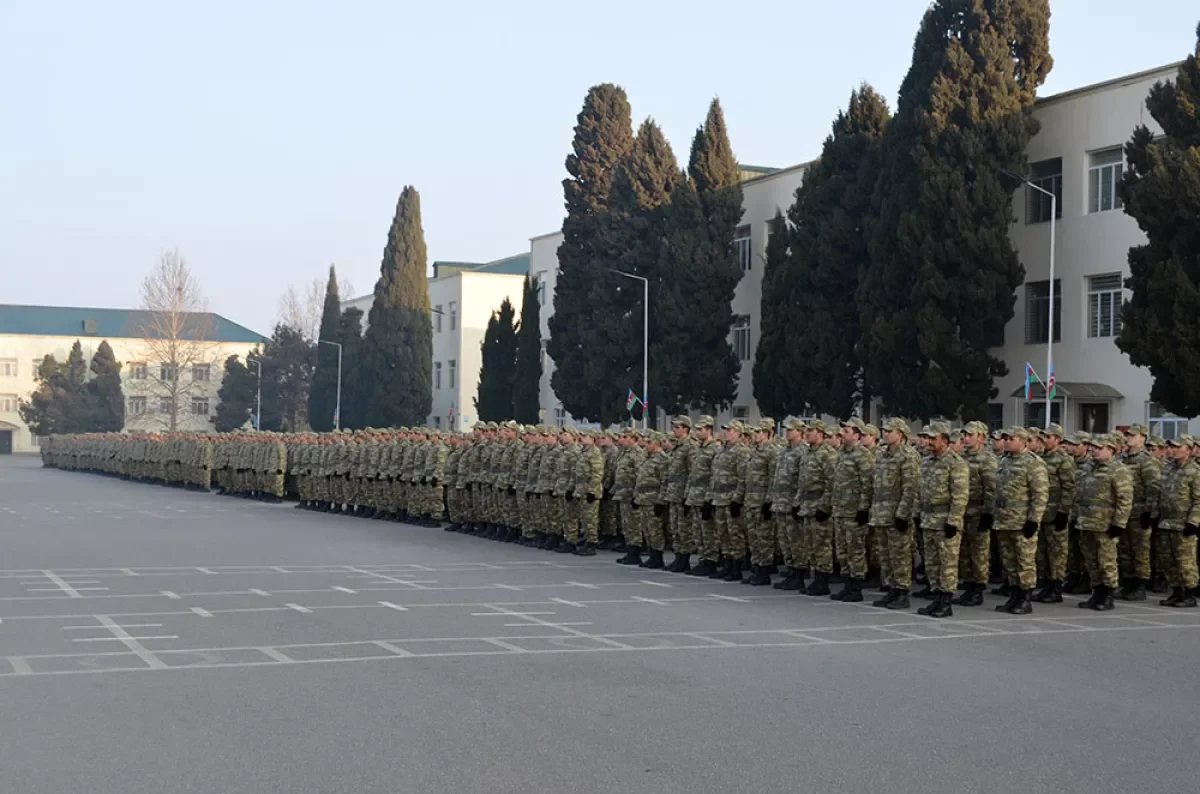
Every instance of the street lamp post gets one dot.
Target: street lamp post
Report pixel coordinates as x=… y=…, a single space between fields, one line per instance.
x=258 y=397
x=337 y=409
x=645 y=341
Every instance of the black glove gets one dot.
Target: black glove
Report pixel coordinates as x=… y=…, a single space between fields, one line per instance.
x=1060 y=522
x=1154 y=525
x=1190 y=530
x=660 y=510
x=821 y=516
x=1145 y=519
x=766 y=512
x=591 y=498
x=608 y=493
x=796 y=513
x=570 y=498
x=512 y=491
x=634 y=506
x=900 y=525
x=706 y=512
x=687 y=510
x=862 y=517
x=986 y=522
x=528 y=496
x=949 y=530
x=1074 y=525
x=917 y=523
x=1115 y=531
x=735 y=509
x=1029 y=529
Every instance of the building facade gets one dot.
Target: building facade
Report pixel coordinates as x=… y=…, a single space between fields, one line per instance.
x=154 y=390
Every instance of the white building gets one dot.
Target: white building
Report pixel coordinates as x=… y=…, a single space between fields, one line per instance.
x=463 y=296
x=29 y=333
x=1077 y=153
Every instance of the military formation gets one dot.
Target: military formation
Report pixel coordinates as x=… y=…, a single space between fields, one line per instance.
x=1036 y=512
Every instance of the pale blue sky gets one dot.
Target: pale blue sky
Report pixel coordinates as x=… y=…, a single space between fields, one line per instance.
x=268 y=139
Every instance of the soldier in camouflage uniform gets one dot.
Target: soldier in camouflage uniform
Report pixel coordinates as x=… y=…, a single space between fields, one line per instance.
x=610 y=527
x=564 y=490
x=548 y=504
x=1053 y=536
x=789 y=534
x=1179 y=523
x=760 y=526
x=1102 y=507
x=893 y=506
x=531 y=524
x=649 y=500
x=727 y=494
x=812 y=505
x=945 y=492
x=698 y=507
x=851 y=490
x=1133 y=548
x=679 y=520
x=1022 y=492
x=979 y=516
x=624 y=479
x=587 y=488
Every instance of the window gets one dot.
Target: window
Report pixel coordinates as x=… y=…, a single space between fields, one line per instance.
x=8 y=368
x=539 y=281
x=35 y=441
x=8 y=403
x=167 y=371
x=995 y=416
x=437 y=374
x=437 y=318
x=453 y=315
x=1035 y=413
x=200 y=406
x=136 y=406
x=1104 y=174
x=1164 y=423
x=166 y=405
x=453 y=373
x=560 y=416
x=437 y=421
x=35 y=366
x=1048 y=176
x=741 y=337
x=201 y=372
x=741 y=247
x=1104 y=305
x=740 y=412
x=1093 y=417
x=138 y=371
x=1037 y=312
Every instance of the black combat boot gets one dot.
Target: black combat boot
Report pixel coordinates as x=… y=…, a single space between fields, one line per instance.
x=1083 y=585
x=1052 y=593
x=935 y=599
x=873 y=579
x=900 y=601
x=1014 y=597
x=892 y=594
x=565 y=547
x=819 y=586
x=654 y=562
x=633 y=556
x=733 y=570
x=1004 y=590
x=552 y=542
x=705 y=568
x=301 y=505
x=1172 y=600
x=972 y=595
x=1136 y=591
x=844 y=593
x=759 y=577
x=1041 y=593
x=1022 y=604
x=587 y=549
x=926 y=593
x=794 y=580
x=722 y=568
x=855 y=595
x=681 y=564
x=1188 y=601
x=941 y=607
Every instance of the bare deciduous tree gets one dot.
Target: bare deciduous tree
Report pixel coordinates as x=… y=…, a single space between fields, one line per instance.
x=178 y=333
x=301 y=308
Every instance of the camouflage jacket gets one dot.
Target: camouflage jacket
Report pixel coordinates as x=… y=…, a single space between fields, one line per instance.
x=548 y=469
x=897 y=485
x=760 y=469
x=589 y=472
x=1105 y=497
x=1147 y=481
x=533 y=467
x=982 y=472
x=1179 y=496
x=650 y=484
x=611 y=455
x=678 y=470
x=1060 y=472
x=1021 y=491
x=626 y=473
x=700 y=473
x=783 y=479
x=816 y=477
x=564 y=478
x=727 y=485
x=945 y=491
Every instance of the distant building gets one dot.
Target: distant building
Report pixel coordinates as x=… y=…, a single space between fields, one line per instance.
x=463 y=296
x=29 y=333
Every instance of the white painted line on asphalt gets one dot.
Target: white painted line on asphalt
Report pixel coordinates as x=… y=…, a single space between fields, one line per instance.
x=507 y=586
x=389 y=579
x=656 y=584
x=1065 y=623
x=256 y=591
x=345 y=590
x=279 y=569
x=123 y=639
x=130 y=572
x=907 y=634
x=206 y=570
x=508 y=646
x=19 y=665
x=172 y=595
x=803 y=636
x=204 y=613
x=421 y=567
x=582 y=584
x=62 y=585
x=390 y=605
x=729 y=598
x=507 y=613
x=698 y=636
x=387 y=646
x=132 y=643
x=125 y=626
x=651 y=601
x=298 y=608
x=276 y=655
x=568 y=603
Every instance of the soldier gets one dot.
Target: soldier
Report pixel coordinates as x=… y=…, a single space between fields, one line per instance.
x=789 y=536
x=610 y=527
x=1021 y=495
x=679 y=521
x=1052 y=535
x=812 y=504
x=727 y=494
x=979 y=516
x=564 y=490
x=624 y=480
x=851 y=479
x=870 y=442
x=893 y=505
x=1133 y=548
x=531 y=523
x=547 y=502
x=1105 y=500
x=649 y=500
x=760 y=528
x=1178 y=522
x=1077 y=582
x=699 y=509
x=587 y=489
x=945 y=492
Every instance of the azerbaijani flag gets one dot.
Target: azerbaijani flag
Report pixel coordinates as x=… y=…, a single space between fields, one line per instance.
x=1051 y=384
x=631 y=401
x=1031 y=378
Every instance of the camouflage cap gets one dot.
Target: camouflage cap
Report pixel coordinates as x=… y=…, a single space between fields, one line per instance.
x=926 y=430
x=955 y=436
x=1155 y=441
x=1184 y=440
x=1016 y=431
x=570 y=430
x=706 y=421
x=683 y=420
x=896 y=424
x=735 y=424
x=997 y=435
x=1137 y=430
x=855 y=423
x=629 y=431
x=1034 y=432
x=872 y=430
x=511 y=424
x=766 y=424
x=975 y=428
x=939 y=429
x=1083 y=438
x=655 y=437
x=1071 y=438
x=795 y=423
x=1055 y=430
x=1104 y=440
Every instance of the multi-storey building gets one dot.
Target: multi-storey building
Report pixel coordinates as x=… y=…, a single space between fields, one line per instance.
x=155 y=391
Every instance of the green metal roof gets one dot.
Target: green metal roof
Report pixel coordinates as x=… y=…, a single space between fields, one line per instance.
x=517 y=265
x=95 y=322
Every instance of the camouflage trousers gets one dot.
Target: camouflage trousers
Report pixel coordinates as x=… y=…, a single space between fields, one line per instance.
x=941 y=558
x=609 y=524
x=707 y=534
x=650 y=527
x=792 y=538
x=630 y=526
x=1177 y=557
x=683 y=538
x=1133 y=551
x=588 y=524
x=874 y=548
x=1052 y=552
x=760 y=533
x=897 y=557
x=820 y=544
x=561 y=513
x=1100 y=558
x=973 y=552
x=731 y=532
x=1018 y=555
x=851 y=547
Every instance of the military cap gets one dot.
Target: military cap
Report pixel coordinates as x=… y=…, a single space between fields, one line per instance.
x=1016 y=431
x=735 y=424
x=1071 y=438
x=706 y=421
x=975 y=428
x=872 y=430
x=1034 y=432
x=1137 y=430
x=1084 y=438
x=795 y=423
x=683 y=420
x=896 y=424
x=1104 y=440
x=1183 y=440
x=818 y=425
x=1155 y=441
x=856 y=423
x=511 y=424
x=955 y=435
x=655 y=437
x=997 y=435
x=926 y=430
x=571 y=431
x=1055 y=430
x=939 y=429
x=492 y=426
x=766 y=424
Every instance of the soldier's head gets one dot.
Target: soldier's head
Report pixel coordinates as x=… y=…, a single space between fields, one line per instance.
x=733 y=431
x=956 y=441
x=1035 y=440
x=587 y=438
x=895 y=431
x=1179 y=449
x=816 y=431
x=1052 y=436
x=765 y=430
x=1016 y=440
x=681 y=426
x=795 y=431
x=703 y=428
x=851 y=432
x=1135 y=437
x=1104 y=446
x=871 y=437
x=604 y=440
x=938 y=437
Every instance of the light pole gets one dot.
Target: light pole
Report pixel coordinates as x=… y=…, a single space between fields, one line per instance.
x=337 y=410
x=258 y=397
x=645 y=341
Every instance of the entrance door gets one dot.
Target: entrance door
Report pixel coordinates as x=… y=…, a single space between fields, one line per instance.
x=1093 y=417
x=5 y=442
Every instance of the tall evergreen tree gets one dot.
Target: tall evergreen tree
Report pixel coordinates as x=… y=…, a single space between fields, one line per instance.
x=498 y=370
x=50 y=407
x=582 y=300
x=322 y=398
x=527 y=380
x=398 y=345
x=76 y=367
x=104 y=397
x=236 y=396
x=808 y=305
x=1161 y=190
x=775 y=386
x=350 y=334
x=287 y=363
x=943 y=274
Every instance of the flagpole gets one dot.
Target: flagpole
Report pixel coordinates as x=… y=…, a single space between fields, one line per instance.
x=1050 y=326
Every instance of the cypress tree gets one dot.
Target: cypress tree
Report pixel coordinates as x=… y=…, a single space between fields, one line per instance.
x=775 y=385
x=322 y=397
x=105 y=399
x=237 y=396
x=354 y=376
x=603 y=137
x=48 y=409
x=1161 y=190
x=527 y=380
x=287 y=362
x=498 y=370
x=398 y=345
x=941 y=284
x=76 y=367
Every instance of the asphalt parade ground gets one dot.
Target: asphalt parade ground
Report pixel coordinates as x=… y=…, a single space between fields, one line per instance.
x=155 y=640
